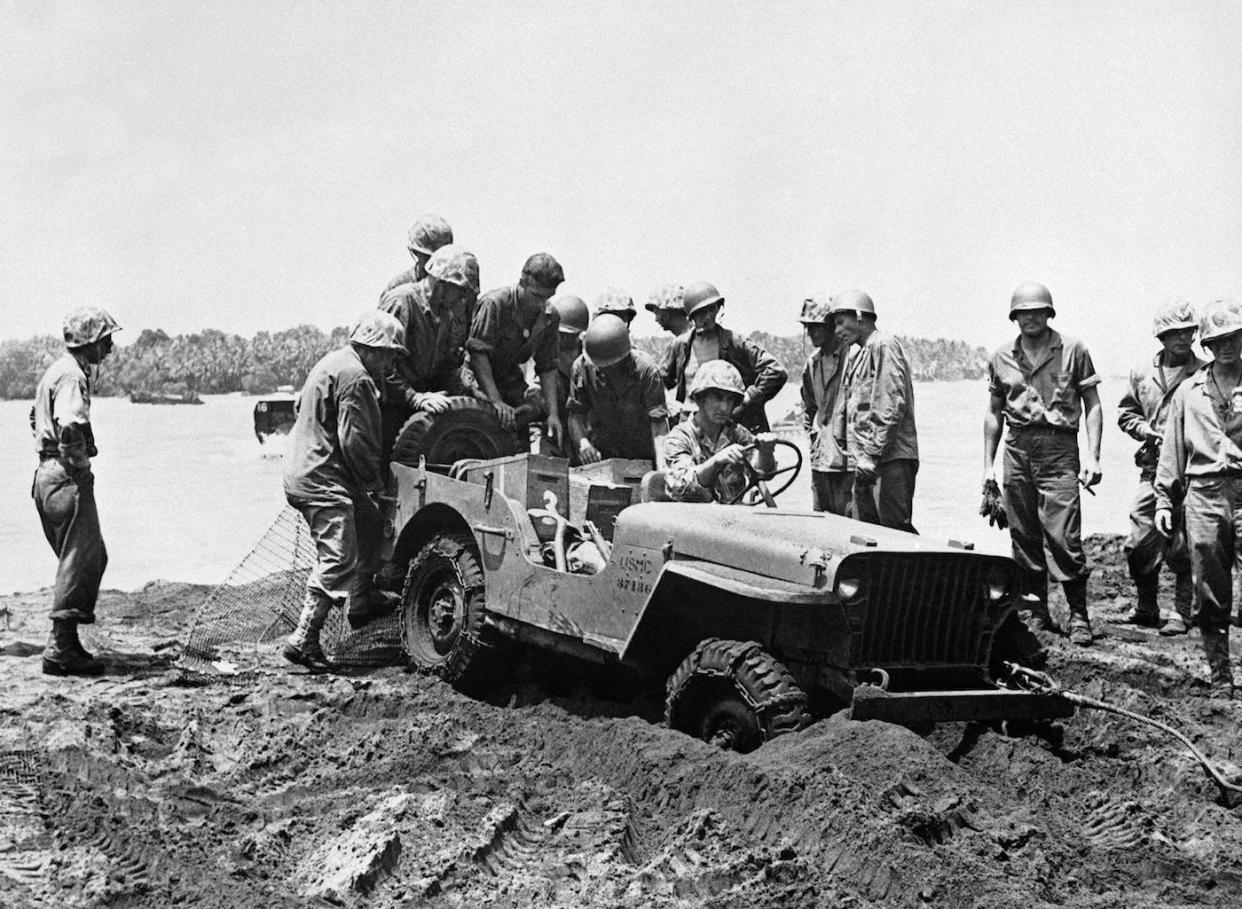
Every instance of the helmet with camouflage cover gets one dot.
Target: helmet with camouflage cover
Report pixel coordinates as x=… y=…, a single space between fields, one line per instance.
x=854 y=301
x=88 y=324
x=1031 y=296
x=1221 y=318
x=378 y=329
x=699 y=295
x=670 y=296
x=573 y=312
x=429 y=233
x=617 y=302
x=607 y=340
x=718 y=375
x=816 y=310
x=455 y=265
x=1174 y=317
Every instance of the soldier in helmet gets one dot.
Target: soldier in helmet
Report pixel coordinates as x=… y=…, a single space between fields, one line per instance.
x=64 y=486
x=616 y=398
x=511 y=326
x=427 y=234
x=574 y=319
x=832 y=481
x=879 y=431
x=668 y=305
x=703 y=455
x=762 y=374
x=1141 y=415
x=434 y=313
x=335 y=478
x=1200 y=467
x=614 y=302
x=1040 y=385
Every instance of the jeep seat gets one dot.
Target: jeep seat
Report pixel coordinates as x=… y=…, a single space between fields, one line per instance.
x=653 y=488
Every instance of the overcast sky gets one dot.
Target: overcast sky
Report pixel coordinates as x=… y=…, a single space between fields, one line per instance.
x=251 y=166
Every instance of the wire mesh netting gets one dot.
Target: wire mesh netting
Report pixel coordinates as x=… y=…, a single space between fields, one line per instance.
x=243 y=622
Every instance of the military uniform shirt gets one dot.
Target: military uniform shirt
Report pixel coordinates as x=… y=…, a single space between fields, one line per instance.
x=686 y=447
x=1202 y=437
x=1145 y=404
x=879 y=403
x=409 y=276
x=619 y=404
x=334 y=449
x=63 y=398
x=1047 y=393
x=511 y=334
x=435 y=338
x=821 y=402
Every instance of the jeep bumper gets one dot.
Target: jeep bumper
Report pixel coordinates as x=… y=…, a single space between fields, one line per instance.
x=920 y=707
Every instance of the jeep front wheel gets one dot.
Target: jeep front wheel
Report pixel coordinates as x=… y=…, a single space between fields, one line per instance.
x=444 y=626
x=735 y=695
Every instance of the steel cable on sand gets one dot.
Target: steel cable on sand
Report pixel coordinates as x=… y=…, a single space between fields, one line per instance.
x=1042 y=683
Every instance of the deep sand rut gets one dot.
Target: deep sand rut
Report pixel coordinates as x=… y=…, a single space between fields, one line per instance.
x=389 y=789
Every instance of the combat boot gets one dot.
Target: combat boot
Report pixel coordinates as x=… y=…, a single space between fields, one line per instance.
x=1079 y=623
x=64 y=654
x=1216 y=649
x=1033 y=605
x=1183 y=603
x=1147 y=610
x=303 y=645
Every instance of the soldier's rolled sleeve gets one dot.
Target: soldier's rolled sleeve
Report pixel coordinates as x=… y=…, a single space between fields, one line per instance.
x=1082 y=367
x=770 y=375
x=546 y=354
x=1130 y=416
x=655 y=402
x=358 y=431
x=579 y=389
x=1170 y=482
x=485 y=326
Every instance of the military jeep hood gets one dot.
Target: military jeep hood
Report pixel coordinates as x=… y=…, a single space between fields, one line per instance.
x=796 y=546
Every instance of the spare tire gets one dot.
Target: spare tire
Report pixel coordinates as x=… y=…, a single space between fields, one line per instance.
x=468 y=429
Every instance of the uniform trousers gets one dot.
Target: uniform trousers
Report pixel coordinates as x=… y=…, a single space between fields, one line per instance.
x=1043 y=505
x=1213 y=511
x=889 y=501
x=832 y=491
x=1147 y=548
x=349 y=545
x=65 y=500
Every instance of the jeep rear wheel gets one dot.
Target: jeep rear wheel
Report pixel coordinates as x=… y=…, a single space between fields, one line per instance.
x=735 y=695
x=444 y=618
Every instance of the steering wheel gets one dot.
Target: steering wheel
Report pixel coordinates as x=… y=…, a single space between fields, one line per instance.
x=755 y=480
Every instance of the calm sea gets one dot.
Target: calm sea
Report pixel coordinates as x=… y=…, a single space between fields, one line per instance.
x=185 y=492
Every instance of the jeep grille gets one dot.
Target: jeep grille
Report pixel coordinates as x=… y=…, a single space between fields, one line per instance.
x=920 y=611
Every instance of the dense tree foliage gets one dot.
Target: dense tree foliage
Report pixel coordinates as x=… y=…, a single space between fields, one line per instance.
x=212 y=362
x=209 y=362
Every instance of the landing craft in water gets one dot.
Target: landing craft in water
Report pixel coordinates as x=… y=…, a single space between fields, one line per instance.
x=274 y=414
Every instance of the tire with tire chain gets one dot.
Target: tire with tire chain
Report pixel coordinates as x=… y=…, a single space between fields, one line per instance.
x=445 y=627
x=469 y=428
x=736 y=694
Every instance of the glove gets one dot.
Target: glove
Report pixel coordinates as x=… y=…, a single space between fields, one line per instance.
x=993 y=506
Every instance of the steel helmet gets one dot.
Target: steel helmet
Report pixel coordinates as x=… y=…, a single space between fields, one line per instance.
x=617 y=302
x=719 y=375
x=573 y=313
x=88 y=324
x=378 y=329
x=699 y=295
x=854 y=301
x=1173 y=317
x=1031 y=296
x=455 y=265
x=1220 y=319
x=670 y=296
x=816 y=310
x=429 y=233
x=607 y=340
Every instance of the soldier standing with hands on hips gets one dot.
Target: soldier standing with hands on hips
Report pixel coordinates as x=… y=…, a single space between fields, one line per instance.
x=1201 y=467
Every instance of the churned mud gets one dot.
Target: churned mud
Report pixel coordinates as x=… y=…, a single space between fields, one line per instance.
x=389 y=789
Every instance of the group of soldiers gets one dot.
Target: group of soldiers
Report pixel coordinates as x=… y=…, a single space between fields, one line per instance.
x=434 y=337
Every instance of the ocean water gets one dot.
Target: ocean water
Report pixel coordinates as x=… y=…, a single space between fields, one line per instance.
x=186 y=492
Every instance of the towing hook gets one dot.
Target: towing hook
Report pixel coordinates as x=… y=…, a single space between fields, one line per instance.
x=879 y=674
x=1031 y=680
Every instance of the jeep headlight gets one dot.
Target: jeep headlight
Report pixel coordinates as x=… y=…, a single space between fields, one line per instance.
x=850 y=587
x=998 y=586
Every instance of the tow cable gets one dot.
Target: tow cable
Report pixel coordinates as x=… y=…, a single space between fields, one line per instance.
x=1042 y=683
